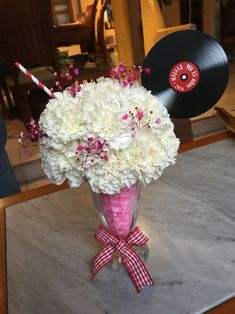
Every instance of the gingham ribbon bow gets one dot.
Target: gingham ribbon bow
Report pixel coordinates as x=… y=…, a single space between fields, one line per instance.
x=133 y=264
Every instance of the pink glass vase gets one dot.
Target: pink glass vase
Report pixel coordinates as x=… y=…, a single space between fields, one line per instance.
x=118 y=212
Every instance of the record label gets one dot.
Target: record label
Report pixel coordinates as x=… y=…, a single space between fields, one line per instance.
x=184 y=76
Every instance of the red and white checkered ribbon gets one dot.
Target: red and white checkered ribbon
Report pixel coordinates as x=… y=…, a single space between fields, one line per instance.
x=134 y=265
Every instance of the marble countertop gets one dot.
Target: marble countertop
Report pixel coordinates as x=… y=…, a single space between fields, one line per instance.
x=189 y=216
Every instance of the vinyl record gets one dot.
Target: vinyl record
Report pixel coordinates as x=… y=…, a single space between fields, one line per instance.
x=189 y=73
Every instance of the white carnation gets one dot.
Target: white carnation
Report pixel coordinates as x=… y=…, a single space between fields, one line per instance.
x=60 y=165
x=61 y=120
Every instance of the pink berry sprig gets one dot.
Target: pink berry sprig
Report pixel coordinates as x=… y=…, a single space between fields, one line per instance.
x=25 y=144
x=150 y=122
x=34 y=131
x=74 y=88
x=89 y=153
x=127 y=76
x=33 y=134
x=134 y=119
x=66 y=80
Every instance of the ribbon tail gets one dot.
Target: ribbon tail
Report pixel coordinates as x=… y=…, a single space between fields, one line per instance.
x=136 y=270
x=101 y=259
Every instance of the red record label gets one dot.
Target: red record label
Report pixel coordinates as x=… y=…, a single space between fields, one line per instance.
x=184 y=76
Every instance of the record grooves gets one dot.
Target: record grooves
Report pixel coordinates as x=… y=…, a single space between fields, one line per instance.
x=189 y=72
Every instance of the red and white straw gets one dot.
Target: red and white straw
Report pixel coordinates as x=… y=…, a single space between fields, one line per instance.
x=34 y=79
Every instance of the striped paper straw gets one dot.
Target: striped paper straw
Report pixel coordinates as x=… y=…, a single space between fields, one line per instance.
x=34 y=79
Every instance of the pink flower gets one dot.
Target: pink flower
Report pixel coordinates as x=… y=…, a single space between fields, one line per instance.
x=140 y=69
x=101 y=145
x=125 y=116
x=147 y=70
x=80 y=148
x=71 y=66
x=69 y=77
x=124 y=83
x=131 y=79
x=74 y=88
x=121 y=68
x=32 y=122
x=90 y=139
x=28 y=154
x=113 y=72
x=96 y=146
x=106 y=157
x=22 y=134
x=75 y=72
x=140 y=115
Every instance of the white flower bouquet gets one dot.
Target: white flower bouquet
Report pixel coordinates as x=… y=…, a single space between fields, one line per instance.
x=108 y=134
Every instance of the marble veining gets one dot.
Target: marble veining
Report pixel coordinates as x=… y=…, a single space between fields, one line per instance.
x=189 y=216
